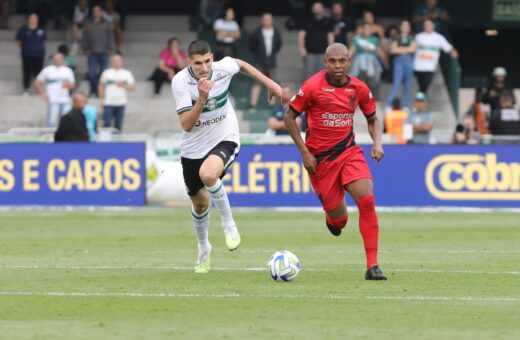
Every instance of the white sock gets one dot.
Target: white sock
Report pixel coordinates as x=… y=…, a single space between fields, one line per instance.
x=219 y=197
x=201 y=226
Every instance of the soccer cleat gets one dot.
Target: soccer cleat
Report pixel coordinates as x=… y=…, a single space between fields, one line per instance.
x=375 y=273
x=333 y=230
x=232 y=237
x=203 y=264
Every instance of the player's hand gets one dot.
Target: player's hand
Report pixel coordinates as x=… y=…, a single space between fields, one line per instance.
x=309 y=162
x=274 y=91
x=204 y=87
x=377 y=153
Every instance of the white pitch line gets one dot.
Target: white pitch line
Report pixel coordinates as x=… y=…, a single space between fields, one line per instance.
x=260 y=296
x=253 y=269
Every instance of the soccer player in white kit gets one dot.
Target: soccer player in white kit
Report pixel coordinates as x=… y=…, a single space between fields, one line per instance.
x=210 y=141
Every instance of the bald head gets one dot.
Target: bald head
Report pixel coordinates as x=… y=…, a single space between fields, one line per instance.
x=79 y=100
x=336 y=49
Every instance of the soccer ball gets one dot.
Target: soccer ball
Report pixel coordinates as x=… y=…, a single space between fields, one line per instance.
x=283 y=266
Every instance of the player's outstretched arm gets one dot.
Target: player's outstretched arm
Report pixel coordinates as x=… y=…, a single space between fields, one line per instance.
x=374 y=129
x=249 y=70
x=309 y=162
x=189 y=118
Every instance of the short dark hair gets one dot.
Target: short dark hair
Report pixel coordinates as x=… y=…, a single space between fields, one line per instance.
x=63 y=49
x=171 y=40
x=200 y=47
x=396 y=103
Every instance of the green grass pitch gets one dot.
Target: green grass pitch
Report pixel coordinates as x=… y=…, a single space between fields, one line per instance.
x=128 y=274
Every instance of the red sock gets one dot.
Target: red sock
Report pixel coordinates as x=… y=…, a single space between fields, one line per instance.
x=369 y=227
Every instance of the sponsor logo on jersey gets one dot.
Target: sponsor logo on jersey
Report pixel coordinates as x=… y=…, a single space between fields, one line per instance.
x=472 y=177
x=324 y=89
x=337 y=119
x=211 y=104
x=215 y=120
x=350 y=90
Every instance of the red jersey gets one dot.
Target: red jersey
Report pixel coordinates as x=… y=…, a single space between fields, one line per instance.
x=330 y=113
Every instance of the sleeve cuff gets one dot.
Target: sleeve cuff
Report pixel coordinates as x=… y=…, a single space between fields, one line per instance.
x=184 y=109
x=294 y=110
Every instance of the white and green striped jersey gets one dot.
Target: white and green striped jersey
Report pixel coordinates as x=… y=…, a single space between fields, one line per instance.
x=218 y=121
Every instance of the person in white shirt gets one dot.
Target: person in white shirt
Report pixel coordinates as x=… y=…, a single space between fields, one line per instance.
x=210 y=141
x=54 y=83
x=113 y=87
x=227 y=32
x=429 y=46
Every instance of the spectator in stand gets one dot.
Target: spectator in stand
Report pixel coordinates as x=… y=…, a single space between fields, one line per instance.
x=421 y=120
x=68 y=60
x=209 y=11
x=402 y=49
x=296 y=14
x=265 y=43
x=466 y=132
x=313 y=38
x=430 y=11
x=505 y=121
x=365 y=49
x=113 y=87
x=113 y=18
x=394 y=121
x=97 y=43
x=477 y=113
x=275 y=121
x=54 y=83
x=5 y=11
x=31 y=38
x=342 y=28
x=39 y=7
x=227 y=32
x=429 y=46
x=375 y=29
x=79 y=16
x=171 y=61
x=497 y=85
x=73 y=125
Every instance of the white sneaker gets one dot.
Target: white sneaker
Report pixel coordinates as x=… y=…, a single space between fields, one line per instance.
x=232 y=237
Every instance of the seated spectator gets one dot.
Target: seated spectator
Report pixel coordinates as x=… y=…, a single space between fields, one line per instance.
x=477 y=113
x=430 y=11
x=342 y=28
x=429 y=46
x=265 y=43
x=227 y=32
x=31 y=39
x=113 y=18
x=466 y=132
x=54 y=83
x=402 y=49
x=421 y=120
x=171 y=61
x=394 y=121
x=505 y=121
x=374 y=28
x=275 y=121
x=365 y=50
x=79 y=16
x=497 y=85
x=5 y=11
x=113 y=87
x=73 y=125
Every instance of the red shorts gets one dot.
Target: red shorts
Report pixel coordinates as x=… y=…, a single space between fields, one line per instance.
x=331 y=177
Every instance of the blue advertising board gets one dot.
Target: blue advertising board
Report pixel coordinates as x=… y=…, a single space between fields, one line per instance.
x=72 y=174
x=409 y=175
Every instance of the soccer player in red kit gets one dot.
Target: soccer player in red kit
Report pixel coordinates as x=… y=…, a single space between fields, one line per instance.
x=333 y=160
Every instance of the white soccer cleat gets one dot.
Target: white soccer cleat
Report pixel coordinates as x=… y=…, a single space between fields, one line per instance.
x=232 y=237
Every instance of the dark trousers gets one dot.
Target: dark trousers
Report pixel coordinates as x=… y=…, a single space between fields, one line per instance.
x=424 y=79
x=97 y=63
x=159 y=77
x=115 y=112
x=31 y=68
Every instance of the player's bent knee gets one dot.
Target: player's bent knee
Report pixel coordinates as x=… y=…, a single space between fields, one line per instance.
x=207 y=177
x=340 y=222
x=199 y=208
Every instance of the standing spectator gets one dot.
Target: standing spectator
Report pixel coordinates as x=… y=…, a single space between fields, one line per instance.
x=113 y=18
x=79 y=16
x=341 y=27
x=505 y=120
x=394 y=121
x=227 y=32
x=73 y=126
x=40 y=8
x=365 y=50
x=477 y=113
x=275 y=121
x=314 y=37
x=97 y=43
x=31 y=38
x=430 y=11
x=466 y=132
x=403 y=49
x=5 y=10
x=497 y=85
x=54 y=83
x=68 y=60
x=421 y=120
x=171 y=61
x=429 y=46
x=375 y=29
x=265 y=43
x=114 y=84
x=209 y=11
